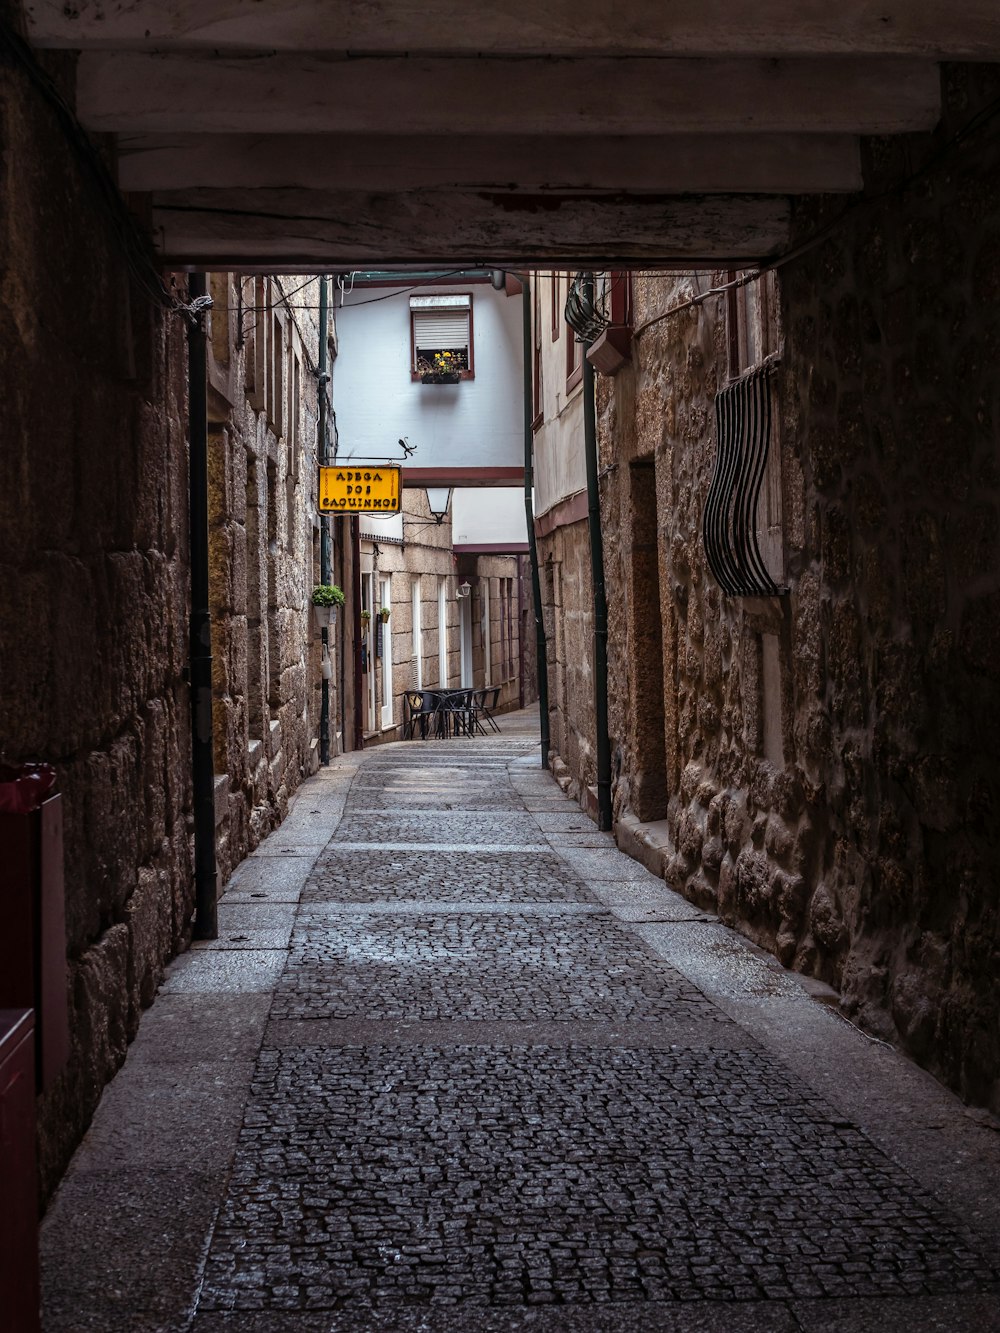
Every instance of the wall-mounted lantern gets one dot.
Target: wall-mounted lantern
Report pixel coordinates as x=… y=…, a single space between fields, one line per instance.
x=463 y=589
x=439 y=502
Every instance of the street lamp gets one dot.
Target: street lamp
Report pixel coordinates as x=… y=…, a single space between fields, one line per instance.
x=438 y=502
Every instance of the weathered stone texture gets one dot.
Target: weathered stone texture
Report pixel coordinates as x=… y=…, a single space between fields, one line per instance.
x=93 y=615
x=867 y=855
x=568 y=615
x=262 y=469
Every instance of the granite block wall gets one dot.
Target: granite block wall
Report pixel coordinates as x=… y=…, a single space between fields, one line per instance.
x=93 y=586
x=828 y=764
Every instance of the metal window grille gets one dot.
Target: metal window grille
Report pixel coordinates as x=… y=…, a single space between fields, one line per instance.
x=743 y=416
x=585 y=310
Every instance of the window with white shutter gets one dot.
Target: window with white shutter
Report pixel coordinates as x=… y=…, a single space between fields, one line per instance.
x=441 y=338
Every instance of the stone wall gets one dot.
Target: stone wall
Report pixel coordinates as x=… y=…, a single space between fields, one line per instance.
x=568 y=615
x=828 y=765
x=265 y=552
x=94 y=579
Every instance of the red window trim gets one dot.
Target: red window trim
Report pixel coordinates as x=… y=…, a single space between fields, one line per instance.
x=469 y=374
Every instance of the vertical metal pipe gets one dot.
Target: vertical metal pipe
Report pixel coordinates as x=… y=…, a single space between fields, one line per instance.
x=542 y=659
x=359 y=732
x=323 y=379
x=206 y=923
x=604 y=814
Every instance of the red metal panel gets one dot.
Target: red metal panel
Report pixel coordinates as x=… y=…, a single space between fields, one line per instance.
x=19 y=1293
x=33 y=934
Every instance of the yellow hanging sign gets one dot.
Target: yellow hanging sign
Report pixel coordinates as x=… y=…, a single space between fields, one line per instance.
x=374 y=489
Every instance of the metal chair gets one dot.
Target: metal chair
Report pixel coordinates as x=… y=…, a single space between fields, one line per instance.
x=484 y=702
x=455 y=710
x=421 y=705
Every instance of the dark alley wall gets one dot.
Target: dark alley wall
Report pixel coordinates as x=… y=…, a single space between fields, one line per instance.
x=93 y=613
x=830 y=757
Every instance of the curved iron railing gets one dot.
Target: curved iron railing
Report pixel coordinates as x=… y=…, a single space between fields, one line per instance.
x=582 y=312
x=729 y=524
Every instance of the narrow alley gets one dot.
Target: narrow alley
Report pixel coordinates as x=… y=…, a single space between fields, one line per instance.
x=455 y=1062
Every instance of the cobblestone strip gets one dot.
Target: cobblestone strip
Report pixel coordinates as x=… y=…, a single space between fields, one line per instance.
x=505 y=1177
x=478 y=1090
x=489 y=969
x=361 y=875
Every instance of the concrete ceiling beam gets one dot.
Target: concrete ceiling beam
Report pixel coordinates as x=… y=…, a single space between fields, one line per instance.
x=342 y=229
x=937 y=29
x=675 y=164
x=162 y=94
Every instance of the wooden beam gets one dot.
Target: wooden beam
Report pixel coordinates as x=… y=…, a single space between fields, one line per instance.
x=937 y=29
x=676 y=164
x=450 y=229
x=164 y=94
x=462 y=476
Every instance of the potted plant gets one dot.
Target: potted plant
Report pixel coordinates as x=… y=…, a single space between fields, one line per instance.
x=443 y=367
x=384 y=614
x=366 y=617
x=326 y=597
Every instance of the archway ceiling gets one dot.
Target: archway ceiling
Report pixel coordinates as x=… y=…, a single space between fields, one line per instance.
x=310 y=134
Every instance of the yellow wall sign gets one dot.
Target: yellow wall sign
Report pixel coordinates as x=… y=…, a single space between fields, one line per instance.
x=360 y=490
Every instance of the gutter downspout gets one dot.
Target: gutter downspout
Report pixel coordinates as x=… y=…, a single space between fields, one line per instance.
x=359 y=731
x=323 y=378
x=604 y=808
x=206 y=923
x=529 y=478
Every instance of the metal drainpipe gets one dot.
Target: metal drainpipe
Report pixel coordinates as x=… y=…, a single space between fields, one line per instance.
x=323 y=378
x=604 y=813
x=206 y=923
x=536 y=587
x=359 y=731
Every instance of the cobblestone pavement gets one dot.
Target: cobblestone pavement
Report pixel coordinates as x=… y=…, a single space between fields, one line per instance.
x=457 y=1063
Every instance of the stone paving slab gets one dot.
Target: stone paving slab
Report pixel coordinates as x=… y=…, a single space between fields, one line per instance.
x=122 y=1249
x=719 y=961
x=197 y=1108
x=251 y=925
x=765 y=1317
x=564 y=821
x=270 y=878
x=241 y=971
x=925 y=1314
x=645 y=899
x=182 y=1029
x=606 y=863
x=513 y=1176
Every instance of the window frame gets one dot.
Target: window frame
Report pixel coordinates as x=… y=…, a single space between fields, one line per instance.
x=416 y=376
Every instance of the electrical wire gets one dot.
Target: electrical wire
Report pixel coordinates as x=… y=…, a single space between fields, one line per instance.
x=985 y=116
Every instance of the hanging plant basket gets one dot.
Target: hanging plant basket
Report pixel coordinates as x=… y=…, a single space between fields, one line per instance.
x=441 y=377
x=325 y=617
x=383 y=615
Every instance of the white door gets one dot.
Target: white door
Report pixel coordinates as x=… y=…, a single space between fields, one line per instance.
x=487 y=636
x=368 y=604
x=465 y=642
x=384 y=601
x=443 y=632
x=418 y=638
